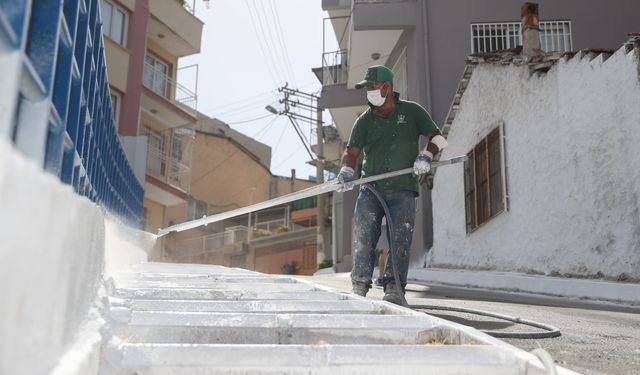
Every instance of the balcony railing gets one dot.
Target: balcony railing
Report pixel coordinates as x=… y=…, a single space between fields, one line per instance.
x=162 y=84
x=174 y=166
x=334 y=67
x=194 y=248
x=191 y=249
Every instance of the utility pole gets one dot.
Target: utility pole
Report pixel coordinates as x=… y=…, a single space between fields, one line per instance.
x=308 y=102
x=321 y=217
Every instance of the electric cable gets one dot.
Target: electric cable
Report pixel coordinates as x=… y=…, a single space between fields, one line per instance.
x=283 y=45
x=253 y=138
x=268 y=40
x=264 y=54
x=250 y=120
x=550 y=331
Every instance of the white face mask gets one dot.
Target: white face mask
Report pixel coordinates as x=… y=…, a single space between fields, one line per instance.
x=375 y=97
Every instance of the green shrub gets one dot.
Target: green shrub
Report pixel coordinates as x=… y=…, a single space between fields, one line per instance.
x=325 y=264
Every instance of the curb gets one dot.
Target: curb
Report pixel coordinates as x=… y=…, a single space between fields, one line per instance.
x=592 y=290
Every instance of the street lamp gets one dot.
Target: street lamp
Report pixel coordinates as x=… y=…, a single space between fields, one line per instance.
x=271 y=109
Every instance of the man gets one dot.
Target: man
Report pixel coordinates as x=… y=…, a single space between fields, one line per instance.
x=388 y=134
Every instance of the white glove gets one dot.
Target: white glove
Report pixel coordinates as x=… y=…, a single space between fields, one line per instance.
x=422 y=164
x=345 y=178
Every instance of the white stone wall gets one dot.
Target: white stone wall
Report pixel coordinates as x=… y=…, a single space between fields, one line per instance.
x=51 y=260
x=573 y=171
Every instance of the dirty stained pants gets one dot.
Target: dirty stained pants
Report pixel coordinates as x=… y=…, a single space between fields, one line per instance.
x=368 y=217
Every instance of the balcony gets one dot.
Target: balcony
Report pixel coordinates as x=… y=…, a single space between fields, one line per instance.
x=206 y=249
x=174 y=28
x=334 y=68
x=165 y=99
x=171 y=165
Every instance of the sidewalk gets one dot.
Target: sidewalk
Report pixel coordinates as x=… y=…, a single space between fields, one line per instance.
x=578 y=289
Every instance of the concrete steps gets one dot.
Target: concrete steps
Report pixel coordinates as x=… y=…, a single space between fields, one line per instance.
x=319 y=359
x=197 y=319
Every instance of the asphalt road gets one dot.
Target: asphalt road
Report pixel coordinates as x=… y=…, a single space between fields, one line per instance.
x=596 y=338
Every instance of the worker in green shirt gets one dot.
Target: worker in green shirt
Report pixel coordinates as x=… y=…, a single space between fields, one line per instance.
x=388 y=134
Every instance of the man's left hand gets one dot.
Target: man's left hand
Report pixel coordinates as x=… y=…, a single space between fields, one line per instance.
x=422 y=164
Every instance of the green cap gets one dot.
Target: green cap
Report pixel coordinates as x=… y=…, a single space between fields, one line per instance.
x=375 y=74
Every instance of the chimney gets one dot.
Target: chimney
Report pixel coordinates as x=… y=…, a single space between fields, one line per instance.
x=530 y=30
x=293 y=179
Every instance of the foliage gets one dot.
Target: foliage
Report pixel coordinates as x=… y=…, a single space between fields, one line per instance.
x=325 y=264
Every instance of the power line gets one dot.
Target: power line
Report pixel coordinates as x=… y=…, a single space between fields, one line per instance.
x=264 y=55
x=252 y=138
x=239 y=101
x=277 y=66
x=283 y=66
x=243 y=107
x=249 y=120
x=280 y=35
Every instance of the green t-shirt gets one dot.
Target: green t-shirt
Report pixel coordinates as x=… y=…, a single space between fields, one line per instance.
x=391 y=143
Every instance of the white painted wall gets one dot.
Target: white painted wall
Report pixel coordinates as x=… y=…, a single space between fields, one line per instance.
x=51 y=259
x=573 y=171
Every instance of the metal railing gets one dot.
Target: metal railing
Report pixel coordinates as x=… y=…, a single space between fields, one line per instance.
x=190 y=5
x=334 y=67
x=192 y=248
x=162 y=84
x=173 y=166
x=487 y=37
x=267 y=228
x=56 y=104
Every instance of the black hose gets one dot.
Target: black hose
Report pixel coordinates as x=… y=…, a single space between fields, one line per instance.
x=550 y=331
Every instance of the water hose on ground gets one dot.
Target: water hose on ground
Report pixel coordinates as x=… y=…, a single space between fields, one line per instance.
x=549 y=330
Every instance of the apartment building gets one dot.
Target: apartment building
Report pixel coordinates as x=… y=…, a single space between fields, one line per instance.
x=425 y=43
x=154 y=113
x=230 y=171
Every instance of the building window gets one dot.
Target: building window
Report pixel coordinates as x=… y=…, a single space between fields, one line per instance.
x=156 y=75
x=487 y=37
x=155 y=151
x=115 y=108
x=114 y=21
x=197 y=209
x=556 y=36
x=484 y=181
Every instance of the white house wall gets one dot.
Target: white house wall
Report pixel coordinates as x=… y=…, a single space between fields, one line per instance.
x=573 y=171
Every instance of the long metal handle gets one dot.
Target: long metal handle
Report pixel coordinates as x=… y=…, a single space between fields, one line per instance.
x=328 y=186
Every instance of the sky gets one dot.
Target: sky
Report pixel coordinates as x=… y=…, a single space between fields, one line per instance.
x=249 y=49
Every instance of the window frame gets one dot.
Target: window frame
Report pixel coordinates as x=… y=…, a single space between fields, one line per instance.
x=154 y=134
x=166 y=80
x=506 y=28
x=472 y=202
x=115 y=7
x=115 y=106
x=197 y=209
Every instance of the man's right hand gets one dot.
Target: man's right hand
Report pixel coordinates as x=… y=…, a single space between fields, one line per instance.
x=345 y=178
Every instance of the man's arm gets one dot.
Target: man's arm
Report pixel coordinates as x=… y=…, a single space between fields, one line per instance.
x=436 y=142
x=348 y=162
x=350 y=157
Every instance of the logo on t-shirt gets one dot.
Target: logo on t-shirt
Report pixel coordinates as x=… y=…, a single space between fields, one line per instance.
x=401 y=119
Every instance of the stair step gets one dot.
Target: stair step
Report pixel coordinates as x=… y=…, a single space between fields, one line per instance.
x=248 y=307
x=304 y=293
x=163 y=359
x=266 y=328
